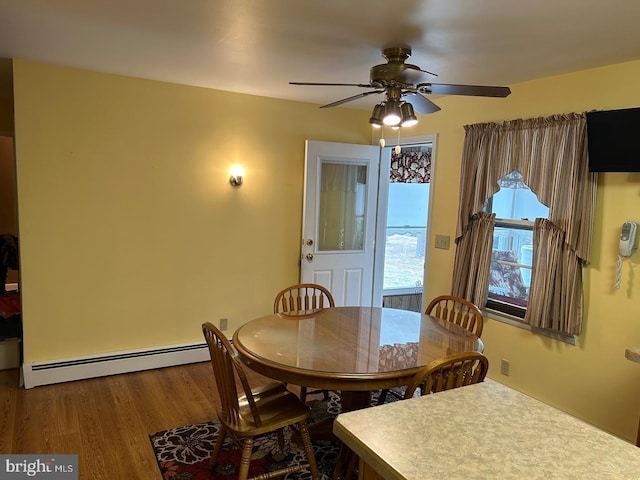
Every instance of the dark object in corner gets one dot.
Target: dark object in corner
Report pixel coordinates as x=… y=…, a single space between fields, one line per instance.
x=9 y=258
x=612 y=138
x=10 y=316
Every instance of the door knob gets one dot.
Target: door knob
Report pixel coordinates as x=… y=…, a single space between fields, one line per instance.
x=310 y=257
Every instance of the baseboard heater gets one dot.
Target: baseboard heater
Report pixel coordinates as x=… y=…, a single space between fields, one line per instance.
x=65 y=370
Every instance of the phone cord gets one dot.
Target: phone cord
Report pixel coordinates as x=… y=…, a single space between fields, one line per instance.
x=619 y=273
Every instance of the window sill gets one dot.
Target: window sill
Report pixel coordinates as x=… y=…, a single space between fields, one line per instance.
x=517 y=322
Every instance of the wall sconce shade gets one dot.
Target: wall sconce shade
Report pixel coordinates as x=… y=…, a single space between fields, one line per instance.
x=237 y=176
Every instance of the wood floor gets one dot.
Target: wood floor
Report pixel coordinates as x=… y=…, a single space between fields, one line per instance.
x=106 y=421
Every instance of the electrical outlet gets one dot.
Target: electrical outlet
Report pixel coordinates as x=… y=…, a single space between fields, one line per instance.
x=224 y=323
x=504 y=367
x=442 y=241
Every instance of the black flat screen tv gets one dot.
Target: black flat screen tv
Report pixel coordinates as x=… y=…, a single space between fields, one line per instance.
x=613 y=138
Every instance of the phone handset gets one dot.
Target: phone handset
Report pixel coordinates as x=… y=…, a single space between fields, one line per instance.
x=628 y=244
x=628 y=239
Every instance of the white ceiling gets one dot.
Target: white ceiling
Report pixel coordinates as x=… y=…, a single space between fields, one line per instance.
x=258 y=46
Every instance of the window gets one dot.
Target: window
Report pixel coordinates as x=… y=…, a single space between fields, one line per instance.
x=406 y=228
x=551 y=153
x=406 y=237
x=515 y=206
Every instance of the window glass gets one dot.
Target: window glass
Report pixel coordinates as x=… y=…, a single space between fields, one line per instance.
x=341 y=213
x=516 y=207
x=406 y=236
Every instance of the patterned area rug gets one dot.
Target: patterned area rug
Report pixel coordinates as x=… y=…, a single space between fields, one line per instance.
x=183 y=453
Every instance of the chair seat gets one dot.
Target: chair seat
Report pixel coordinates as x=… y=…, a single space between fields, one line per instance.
x=277 y=409
x=268 y=389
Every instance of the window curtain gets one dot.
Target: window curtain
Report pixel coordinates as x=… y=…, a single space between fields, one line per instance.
x=340 y=177
x=410 y=167
x=551 y=155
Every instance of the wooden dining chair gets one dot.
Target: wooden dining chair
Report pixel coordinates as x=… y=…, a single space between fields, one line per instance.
x=457 y=310
x=247 y=414
x=454 y=309
x=300 y=299
x=446 y=373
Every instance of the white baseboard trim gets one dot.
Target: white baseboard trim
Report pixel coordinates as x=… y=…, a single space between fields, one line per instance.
x=66 y=370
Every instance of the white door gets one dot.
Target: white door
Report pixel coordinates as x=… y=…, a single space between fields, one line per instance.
x=339 y=218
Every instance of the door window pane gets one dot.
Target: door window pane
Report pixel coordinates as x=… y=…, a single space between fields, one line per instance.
x=342 y=202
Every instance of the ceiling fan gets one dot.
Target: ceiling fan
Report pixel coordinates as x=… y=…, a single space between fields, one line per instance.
x=405 y=87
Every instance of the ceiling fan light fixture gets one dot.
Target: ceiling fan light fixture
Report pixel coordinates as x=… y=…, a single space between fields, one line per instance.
x=409 y=118
x=376 y=116
x=392 y=113
x=399 y=80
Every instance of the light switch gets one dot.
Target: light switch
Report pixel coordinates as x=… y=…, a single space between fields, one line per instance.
x=442 y=241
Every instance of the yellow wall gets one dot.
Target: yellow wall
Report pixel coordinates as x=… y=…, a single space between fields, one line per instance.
x=131 y=235
x=591 y=380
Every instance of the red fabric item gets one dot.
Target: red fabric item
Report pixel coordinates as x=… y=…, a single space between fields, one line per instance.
x=9 y=304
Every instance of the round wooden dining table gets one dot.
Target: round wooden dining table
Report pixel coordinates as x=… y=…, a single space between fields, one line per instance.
x=354 y=350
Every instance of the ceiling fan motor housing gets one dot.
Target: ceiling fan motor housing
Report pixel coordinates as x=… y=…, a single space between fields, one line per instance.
x=385 y=74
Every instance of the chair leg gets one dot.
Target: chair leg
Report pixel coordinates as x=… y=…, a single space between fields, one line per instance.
x=308 y=449
x=280 y=434
x=304 y=391
x=247 y=448
x=222 y=435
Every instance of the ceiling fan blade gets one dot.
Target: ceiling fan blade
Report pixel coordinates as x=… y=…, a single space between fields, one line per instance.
x=348 y=99
x=362 y=85
x=420 y=103
x=412 y=75
x=475 y=90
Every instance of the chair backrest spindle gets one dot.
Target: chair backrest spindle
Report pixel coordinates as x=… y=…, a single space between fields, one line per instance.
x=457 y=310
x=452 y=371
x=226 y=368
x=302 y=297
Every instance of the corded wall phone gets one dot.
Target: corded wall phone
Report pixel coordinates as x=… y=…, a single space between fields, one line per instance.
x=628 y=244
x=628 y=239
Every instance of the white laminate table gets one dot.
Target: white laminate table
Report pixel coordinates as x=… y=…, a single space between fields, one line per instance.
x=633 y=354
x=483 y=431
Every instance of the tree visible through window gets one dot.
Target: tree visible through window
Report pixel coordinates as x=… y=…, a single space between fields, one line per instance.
x=515 y=207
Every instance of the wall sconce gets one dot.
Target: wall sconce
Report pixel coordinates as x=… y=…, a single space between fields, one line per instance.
x=237 y=176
